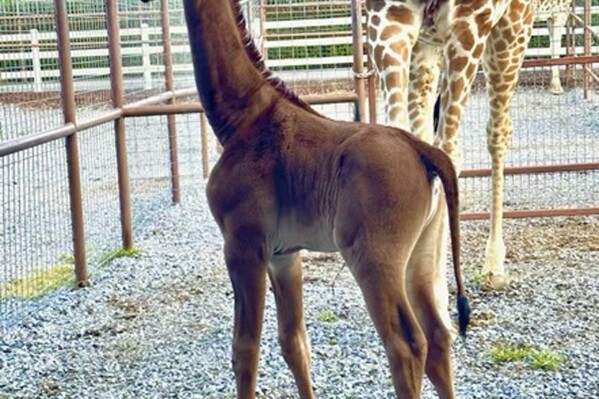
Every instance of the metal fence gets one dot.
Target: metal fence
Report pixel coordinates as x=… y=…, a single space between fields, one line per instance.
x=88 y=159
x=315 y=38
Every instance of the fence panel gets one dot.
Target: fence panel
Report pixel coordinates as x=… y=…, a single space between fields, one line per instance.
x=307 y=44
x=314 y=38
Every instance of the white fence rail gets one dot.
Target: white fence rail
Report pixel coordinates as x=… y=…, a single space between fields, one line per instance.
x=145 y=41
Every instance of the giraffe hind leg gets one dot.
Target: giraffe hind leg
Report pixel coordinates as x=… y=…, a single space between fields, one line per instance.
x=424 y=78
x=428 y=295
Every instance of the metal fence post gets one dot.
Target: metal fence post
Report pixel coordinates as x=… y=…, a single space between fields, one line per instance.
x=72 y=147
x=569 y=75
x=371 y=91
x=587 y=46
x=36 y=60
x=145 y=56
x=262 y=14
x=358 y=50
x=169 y=85
x=116 y=81
x=204 y=145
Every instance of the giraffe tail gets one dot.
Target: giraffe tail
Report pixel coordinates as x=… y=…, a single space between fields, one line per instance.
x=437 y=112
x=438 y=163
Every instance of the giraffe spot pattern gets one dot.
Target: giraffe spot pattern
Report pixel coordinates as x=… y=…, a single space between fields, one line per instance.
x=400 y=14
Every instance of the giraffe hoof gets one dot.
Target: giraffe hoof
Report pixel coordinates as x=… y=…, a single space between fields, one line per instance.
x=495 y=282
x=556 y=89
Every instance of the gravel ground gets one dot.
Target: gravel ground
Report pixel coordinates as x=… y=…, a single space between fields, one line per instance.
x=159 y=325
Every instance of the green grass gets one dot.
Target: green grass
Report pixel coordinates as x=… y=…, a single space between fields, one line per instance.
x=539 y=359
x=477 y=278
x=510 y=353
x=327 y=316
x=67 y=258
x=546 y=360
x=118 y=253
x=38 y=283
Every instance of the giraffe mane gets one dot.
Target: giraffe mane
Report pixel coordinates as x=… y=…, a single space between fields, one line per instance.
x=258 y=60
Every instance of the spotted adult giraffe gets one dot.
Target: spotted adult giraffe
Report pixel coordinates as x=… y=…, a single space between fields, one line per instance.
x=556 y=13
x=414 y=43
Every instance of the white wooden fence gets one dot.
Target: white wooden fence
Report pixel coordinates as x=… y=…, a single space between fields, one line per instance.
x=149 y=43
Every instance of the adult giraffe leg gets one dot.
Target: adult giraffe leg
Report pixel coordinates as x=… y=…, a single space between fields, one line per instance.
x=392 y=32
x=424 y=78
x=461 y=55
x=247 y=270
x=286 y=277
x=428 y=295
x=502 y=61
x=556 y=25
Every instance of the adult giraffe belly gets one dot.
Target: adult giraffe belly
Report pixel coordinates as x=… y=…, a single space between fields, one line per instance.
x=445 y=17
x=436 y=33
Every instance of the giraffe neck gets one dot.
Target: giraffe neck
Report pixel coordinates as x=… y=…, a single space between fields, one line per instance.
x=230 y=86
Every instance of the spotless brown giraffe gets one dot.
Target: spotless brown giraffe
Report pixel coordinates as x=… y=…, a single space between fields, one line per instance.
x=414 y=43
x=291 y=179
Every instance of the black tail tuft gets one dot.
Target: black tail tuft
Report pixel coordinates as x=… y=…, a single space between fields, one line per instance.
x=437 y=113
x=463 y=314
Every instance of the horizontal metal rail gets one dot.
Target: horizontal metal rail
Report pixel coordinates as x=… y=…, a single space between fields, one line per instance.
x=583 y=59
x=149 y=106
x=24 y=143
x=152 y=106
x=34 y=140
x=534 y=213
x=345 y=4
x=526 y=170
x=162 y=109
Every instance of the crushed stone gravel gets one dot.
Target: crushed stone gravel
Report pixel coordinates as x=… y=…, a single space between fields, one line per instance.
x=158 y=325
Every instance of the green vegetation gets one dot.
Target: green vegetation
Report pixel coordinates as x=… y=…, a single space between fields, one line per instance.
x=546 y=360
x=510 y=353
x=534 y=358
x=309 y=51
x=67 y=258
x=477 y=278
x=327 y=316
x=40 y=282
x=109 y=256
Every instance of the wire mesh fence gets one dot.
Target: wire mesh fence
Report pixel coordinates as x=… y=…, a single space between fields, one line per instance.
x=35 y=256
x=99 y=194
x=308 y=44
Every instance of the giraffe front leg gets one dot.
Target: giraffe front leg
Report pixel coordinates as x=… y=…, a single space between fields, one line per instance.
x=499 y=132
x=556 y=26
x=461 y=62
x=502 y=62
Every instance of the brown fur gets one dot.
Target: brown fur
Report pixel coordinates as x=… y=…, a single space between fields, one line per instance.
x=291 y=179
